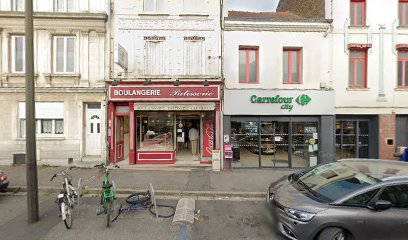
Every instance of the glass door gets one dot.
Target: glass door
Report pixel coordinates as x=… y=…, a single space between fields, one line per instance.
x=245 y=143
x=274 y=144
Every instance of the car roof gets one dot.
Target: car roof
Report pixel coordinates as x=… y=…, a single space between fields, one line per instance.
x=384 y=170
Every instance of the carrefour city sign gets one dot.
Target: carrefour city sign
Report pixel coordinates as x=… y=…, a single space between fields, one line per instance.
x=285 y=102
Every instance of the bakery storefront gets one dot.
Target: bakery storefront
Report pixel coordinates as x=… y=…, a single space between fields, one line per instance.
x=279 y=128
x=163 y=124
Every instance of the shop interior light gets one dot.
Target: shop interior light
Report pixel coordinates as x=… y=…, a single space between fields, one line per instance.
x=177 y=83
x=146 y=82
x=206 y=83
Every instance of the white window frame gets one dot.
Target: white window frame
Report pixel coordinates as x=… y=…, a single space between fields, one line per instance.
x=13 y=53
x=65 y=58
x=38 y=121
x=155 y=6
x=14 y=6
x=65 y=6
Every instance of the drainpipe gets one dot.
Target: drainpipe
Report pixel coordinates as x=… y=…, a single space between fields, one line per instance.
x=381 y=93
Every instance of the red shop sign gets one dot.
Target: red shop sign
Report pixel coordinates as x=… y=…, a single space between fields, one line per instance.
x=208 y=130
x=162 y=93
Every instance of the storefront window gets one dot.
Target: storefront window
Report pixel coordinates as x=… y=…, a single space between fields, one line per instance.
x=352 y=139
x=155 y=131
x=274 y=144
x=304 y=144
x=245 y=143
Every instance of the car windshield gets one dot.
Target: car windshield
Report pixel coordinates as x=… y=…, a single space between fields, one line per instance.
x=333 y=181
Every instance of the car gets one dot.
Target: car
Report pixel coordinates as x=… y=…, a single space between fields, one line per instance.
x=347 y=199
x=4 y=182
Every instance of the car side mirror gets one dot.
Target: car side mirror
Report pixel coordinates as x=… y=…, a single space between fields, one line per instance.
x=381 y=205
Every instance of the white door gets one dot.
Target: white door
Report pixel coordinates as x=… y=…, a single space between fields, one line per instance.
x=93 y=132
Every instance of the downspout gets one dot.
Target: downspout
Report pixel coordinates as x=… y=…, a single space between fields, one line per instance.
x=221 y=120
x=381 y=93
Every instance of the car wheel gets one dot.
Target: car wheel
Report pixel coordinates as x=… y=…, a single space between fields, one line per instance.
x=333 y=233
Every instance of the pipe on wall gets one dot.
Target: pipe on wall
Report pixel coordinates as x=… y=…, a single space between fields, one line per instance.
x=381 y=93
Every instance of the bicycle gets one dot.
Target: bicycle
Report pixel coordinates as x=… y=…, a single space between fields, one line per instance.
x=108 y=194
x=68 y=197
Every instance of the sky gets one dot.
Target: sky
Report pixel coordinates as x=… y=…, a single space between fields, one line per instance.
x=253 y=5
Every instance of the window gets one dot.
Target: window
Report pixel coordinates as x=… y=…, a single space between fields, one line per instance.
x=358 y=69
x=18 y=5
x=352 y=139
x=403 y=12
x=194 y=6
x=402 y=69
x=194 y=57
x=153 y=5
x=63 y=5
x=49 y=120
x=155 y=131
x=155 y=57
x=64 y=54
x=17 y=54
x=292 y=66
x=358 y=12
x=248 y=65
x=362 y=199
x=397 y=195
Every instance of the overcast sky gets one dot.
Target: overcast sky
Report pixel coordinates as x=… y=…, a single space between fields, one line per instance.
x=253 y=5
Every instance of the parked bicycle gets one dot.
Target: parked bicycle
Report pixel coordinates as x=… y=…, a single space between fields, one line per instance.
x=108 y=195
x=68 y=197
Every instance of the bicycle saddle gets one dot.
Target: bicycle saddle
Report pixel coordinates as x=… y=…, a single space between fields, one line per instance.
x=107 y=185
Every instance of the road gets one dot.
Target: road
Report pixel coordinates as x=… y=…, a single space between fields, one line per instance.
x=219 y=219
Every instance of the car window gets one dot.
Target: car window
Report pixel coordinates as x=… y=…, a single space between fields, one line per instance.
x=335 y=180
x=362 y=199
x=397 y=195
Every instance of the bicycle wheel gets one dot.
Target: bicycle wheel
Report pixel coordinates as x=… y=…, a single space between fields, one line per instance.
x=138 y=198
x=66 y=215
x=108 y=212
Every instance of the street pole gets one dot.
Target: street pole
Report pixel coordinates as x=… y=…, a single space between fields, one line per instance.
x=31 y=159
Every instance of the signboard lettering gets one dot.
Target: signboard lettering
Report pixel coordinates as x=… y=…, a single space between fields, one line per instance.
x=285 y=102
x=120 y=93
x=208 y=138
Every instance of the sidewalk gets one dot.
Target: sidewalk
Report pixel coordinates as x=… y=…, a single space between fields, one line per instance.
x=183 y=181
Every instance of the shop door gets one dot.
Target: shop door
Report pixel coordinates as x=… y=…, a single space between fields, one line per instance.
x=93 y=132
x=120 y=144
x=188 y=149
x=274 y=144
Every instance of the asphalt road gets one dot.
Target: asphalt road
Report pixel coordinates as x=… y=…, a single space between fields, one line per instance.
x=218 y=219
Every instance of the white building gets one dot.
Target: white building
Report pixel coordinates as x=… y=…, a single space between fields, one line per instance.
x=370 y=52
x=71 y=65
x=165 y=53
x=278 y=103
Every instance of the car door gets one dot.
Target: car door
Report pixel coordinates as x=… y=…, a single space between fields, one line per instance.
x=391 y=223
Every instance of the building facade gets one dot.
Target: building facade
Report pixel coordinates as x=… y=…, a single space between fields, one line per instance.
x=369 y=76
x=71 y=66
x=279 y=104
x=166 y=81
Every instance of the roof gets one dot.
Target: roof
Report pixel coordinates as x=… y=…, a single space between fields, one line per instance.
x=270 y=17
x=241 y=14
x=303 y=8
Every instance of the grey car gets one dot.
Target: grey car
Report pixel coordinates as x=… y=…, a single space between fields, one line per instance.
x=348 y=199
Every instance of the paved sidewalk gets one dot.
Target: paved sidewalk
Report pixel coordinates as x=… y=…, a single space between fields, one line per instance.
x=245 y=182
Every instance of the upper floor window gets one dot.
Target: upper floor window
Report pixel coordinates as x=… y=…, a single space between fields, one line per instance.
x=153 y=5
x=403 y=12
x=292 y=66
x=194 y=55
x=64 y=5
x=248 y=64
x=402 y=69
x=155 y=55
x=64 y=54
x=358 y=69
x=358 y=12
x=17 y=5
x=17 y=54
x=194 y=6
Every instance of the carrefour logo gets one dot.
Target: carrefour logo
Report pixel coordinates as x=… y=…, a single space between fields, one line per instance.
x=285 y=102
